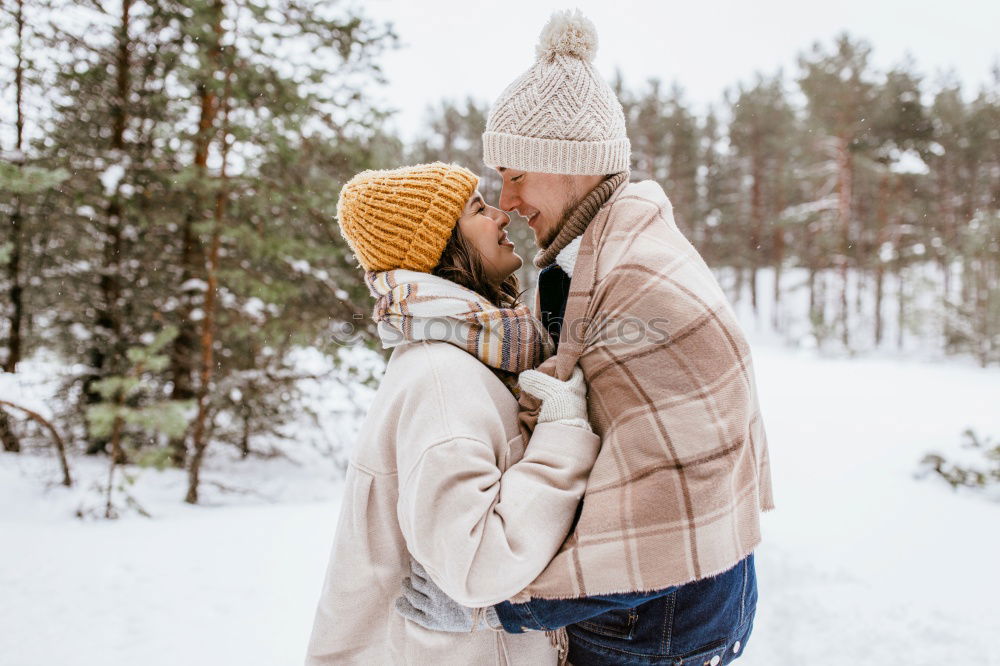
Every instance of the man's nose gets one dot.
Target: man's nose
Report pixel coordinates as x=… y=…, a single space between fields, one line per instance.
x=507 y=200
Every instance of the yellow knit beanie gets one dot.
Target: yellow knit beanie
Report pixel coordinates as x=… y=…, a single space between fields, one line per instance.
x=402 y=218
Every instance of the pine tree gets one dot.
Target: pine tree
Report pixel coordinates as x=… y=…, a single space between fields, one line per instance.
x=723 y=222
x=683 y=155
x=708 y=197
x=131 y=415
x=761 y=122
x=454 y=133
x=899 y=142
x=648 y=131
x=232 y=75
x=23 y=186
x=841 y=98
x=973 y=325
x=110 y=121
x=203 y=197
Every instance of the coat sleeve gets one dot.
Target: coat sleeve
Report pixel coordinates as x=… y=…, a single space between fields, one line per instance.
x=483 y=536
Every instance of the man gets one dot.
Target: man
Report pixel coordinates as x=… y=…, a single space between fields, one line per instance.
x=659 y=567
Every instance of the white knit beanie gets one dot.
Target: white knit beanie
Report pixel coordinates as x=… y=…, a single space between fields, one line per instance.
x=560 y=116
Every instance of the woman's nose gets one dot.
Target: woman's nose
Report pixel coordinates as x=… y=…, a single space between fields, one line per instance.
x=502 y=217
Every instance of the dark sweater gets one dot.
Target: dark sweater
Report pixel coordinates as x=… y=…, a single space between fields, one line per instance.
x=553 y=293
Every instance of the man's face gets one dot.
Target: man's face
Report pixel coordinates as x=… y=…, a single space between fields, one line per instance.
x=544 y=199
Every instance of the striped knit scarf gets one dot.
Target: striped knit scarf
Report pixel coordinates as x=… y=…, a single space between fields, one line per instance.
x=578 y=218
x=412 y=306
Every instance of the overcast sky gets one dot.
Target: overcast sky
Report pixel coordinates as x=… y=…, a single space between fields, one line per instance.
x=456 y=48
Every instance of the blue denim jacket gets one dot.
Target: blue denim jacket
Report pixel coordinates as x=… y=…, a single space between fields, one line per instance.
x=703 y=623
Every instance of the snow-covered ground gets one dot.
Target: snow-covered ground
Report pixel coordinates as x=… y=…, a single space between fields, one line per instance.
x=862 y=562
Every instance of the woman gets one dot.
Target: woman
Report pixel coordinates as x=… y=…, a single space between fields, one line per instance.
x=441 y=473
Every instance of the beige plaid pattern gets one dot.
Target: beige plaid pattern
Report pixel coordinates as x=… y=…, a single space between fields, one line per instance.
x=683 y=472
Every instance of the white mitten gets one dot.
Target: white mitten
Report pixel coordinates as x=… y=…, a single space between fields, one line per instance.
x=565 y=402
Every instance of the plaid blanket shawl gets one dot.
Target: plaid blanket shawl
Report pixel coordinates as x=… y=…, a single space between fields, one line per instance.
x=683 y=473
x=413 y=306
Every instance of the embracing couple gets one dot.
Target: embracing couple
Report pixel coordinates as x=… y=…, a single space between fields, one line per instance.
x=537 y=486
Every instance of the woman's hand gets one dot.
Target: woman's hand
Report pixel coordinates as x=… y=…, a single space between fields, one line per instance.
x=426 y=604
x=562 y=401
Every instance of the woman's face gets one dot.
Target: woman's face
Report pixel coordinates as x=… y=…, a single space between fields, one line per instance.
x=485 y=228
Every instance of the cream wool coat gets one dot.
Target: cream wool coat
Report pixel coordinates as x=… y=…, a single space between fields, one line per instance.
x=441 y=472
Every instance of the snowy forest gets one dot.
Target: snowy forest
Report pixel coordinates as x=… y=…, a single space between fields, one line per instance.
x=175 y=289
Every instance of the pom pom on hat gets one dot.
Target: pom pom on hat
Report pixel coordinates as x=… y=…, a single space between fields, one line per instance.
x=568 y=33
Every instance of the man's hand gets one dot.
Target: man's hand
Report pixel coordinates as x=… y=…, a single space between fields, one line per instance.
x=562 y=401
x=425 y=603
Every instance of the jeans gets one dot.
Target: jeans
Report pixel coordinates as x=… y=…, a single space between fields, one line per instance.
x=703 y=623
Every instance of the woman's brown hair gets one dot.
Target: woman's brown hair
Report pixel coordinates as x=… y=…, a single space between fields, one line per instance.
x=461 y=263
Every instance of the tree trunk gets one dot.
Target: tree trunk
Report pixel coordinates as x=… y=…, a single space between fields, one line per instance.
x=109 y=317
x=811 y=282
x=879 y=291
x=183 y=349
x=183 y=356
x=199 y=441
x=245 y=432
x=821 y=298
x=779 y=250
x=16 y=290
x=844 y=177
x=120 y=109
x=900 y=308
x=116 y=458
x=982 y=314
x=861 y=277
x=16 y=218
x=880 y=240
x=948 y=232
x=899 y=265
x=812 y=263
x=104 y=353
x=737 y=284
x=778 y=243
x=756 y=220
x=19 y=75
x=7 y=434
